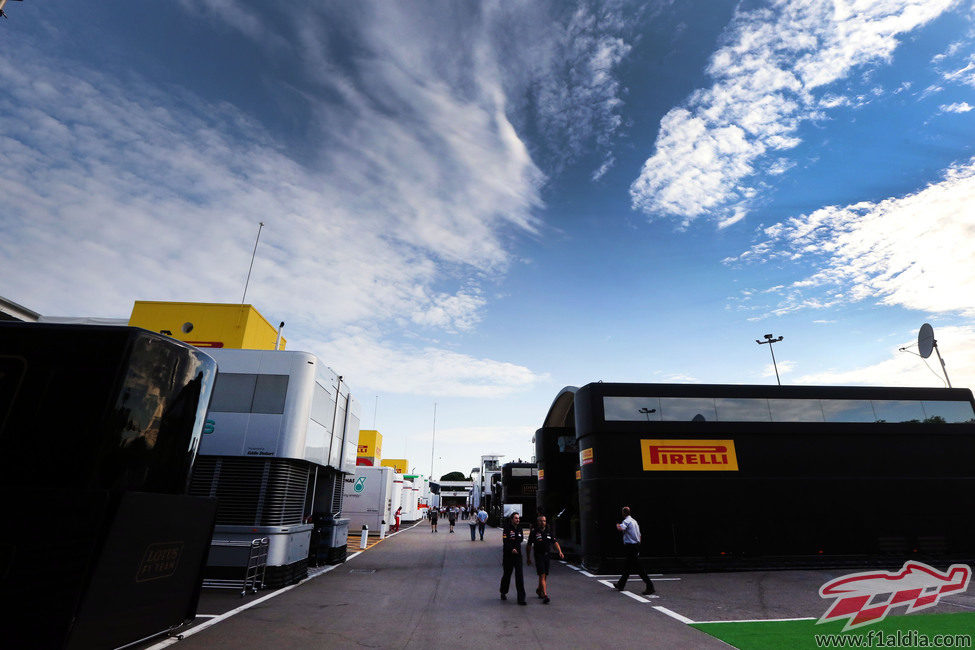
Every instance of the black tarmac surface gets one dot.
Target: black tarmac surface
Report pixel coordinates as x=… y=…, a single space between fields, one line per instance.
x=417 y=589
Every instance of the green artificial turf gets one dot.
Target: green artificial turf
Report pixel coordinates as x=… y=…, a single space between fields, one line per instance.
x=802 y=634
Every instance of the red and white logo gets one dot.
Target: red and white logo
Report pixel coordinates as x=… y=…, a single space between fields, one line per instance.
x=865 y=598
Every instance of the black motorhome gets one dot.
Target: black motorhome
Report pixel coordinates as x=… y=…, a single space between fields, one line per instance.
x=519 y=488
x=99 y=428
x=731 y=476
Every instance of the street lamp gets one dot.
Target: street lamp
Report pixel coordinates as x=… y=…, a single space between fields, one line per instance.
x=769 y=339
x=647 y=411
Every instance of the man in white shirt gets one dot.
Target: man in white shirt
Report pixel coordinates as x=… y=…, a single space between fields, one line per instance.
x=482 y=517
x=631 y=545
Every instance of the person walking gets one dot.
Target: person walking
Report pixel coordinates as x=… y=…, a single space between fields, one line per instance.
x=452 y=518
x=472 y=522
x=434 y=515
x=482 y=517
x=399 y=514
x=511 y=538
x=542 y=543
x=631 y=545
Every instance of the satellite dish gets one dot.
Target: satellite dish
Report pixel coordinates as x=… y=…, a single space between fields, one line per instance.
x=925 y=341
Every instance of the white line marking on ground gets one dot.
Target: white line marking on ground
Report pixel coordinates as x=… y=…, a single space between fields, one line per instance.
x=213 y=621
x=207 y=615
x=655 y=576
x=635 y=597
x=573 y=567
x=673 y=614
x=760 y=620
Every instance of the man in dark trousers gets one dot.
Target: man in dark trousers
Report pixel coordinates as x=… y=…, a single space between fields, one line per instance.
x=631 y=545
x=511 y=537
x=542 y=542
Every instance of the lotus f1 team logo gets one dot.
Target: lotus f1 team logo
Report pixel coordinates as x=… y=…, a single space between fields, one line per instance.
x=865 y=598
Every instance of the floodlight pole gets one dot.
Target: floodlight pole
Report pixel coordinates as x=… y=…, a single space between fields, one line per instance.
x=647 y=411
x=433 y=443
x=769 y=339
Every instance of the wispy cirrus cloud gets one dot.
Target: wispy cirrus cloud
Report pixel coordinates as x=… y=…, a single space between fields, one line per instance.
x=120 y=190
x=559 y=62
x=905 y=251
x=767 y=75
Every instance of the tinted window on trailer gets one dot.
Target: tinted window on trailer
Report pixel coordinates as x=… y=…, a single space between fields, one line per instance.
x=623 y=409
x=894 y=410
x=270 y=394
x=796 y=410
x=233 y=393
x=949 y=411
x=848 y=410
x=742 y=409
x=245 y=393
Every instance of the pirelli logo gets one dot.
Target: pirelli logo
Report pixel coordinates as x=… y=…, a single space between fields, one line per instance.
x=689 y=455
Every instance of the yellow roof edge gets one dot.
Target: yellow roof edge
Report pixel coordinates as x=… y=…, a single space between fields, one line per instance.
x=206 y=304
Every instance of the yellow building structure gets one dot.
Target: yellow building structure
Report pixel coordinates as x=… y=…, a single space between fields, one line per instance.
x=207 y=324
x=370 y=448
x=399 y=465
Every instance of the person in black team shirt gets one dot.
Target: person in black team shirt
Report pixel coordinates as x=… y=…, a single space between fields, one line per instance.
x=511 y=537
x=543 y=543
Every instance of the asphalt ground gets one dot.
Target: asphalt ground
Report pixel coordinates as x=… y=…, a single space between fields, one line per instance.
x=419 y=589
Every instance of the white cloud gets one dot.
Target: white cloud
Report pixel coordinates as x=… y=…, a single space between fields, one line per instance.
x=766 y=75
x=962 y=107
x=605 y=167
x=781 y=166
x=386 y=367
x=956 y=344
x=964 y=75
x=950 y=51
x=908 y=251
x=459 y=311
x=784 y=367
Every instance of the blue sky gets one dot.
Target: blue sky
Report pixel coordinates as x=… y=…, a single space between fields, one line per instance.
x=476 y=204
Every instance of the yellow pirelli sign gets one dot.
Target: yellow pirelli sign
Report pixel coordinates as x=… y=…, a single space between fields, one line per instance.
x=689 y=455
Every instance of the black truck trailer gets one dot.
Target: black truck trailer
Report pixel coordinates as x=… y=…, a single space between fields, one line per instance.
x=734 y=476
x=99 y=426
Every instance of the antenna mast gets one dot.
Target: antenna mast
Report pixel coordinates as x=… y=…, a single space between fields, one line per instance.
x=251 y=267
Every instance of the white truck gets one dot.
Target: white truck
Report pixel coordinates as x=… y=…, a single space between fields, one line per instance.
x=368 y=499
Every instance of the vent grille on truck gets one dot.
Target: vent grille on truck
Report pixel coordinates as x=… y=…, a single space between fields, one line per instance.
x=253 y=491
